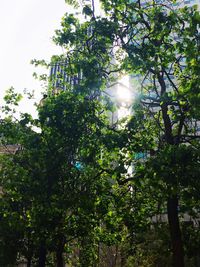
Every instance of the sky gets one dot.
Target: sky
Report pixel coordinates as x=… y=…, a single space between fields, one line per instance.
x=26 y=28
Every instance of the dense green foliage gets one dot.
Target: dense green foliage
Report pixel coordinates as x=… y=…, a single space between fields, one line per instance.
x=68 y=194
x=56 y=188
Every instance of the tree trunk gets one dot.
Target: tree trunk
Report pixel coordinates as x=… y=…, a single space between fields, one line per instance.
x=59 y=252
x=175 y=232
x=29 y=262
x=42 y=255
x=59 y=258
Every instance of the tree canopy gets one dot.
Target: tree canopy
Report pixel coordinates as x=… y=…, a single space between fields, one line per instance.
x=69 y=192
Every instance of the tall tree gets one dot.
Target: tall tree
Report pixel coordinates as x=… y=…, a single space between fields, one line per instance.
x=160 y=42
x=56 y=189
x=70 y=181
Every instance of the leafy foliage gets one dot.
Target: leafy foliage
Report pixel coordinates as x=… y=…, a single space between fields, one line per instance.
x=70 y=191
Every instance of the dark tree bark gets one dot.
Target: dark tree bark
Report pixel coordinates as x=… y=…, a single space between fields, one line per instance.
x=172 y=202
x=59 y=257
x=29 y=262
x=59 y=252
x=42 y=255
x=175 y=232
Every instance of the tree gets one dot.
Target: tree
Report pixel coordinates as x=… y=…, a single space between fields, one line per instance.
x=69 y=184
x=160 y=42
x=56 y=189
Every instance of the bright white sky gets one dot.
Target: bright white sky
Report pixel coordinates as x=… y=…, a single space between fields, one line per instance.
x=26 y=28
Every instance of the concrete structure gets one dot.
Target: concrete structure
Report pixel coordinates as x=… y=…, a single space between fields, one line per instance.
x=9 y=149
